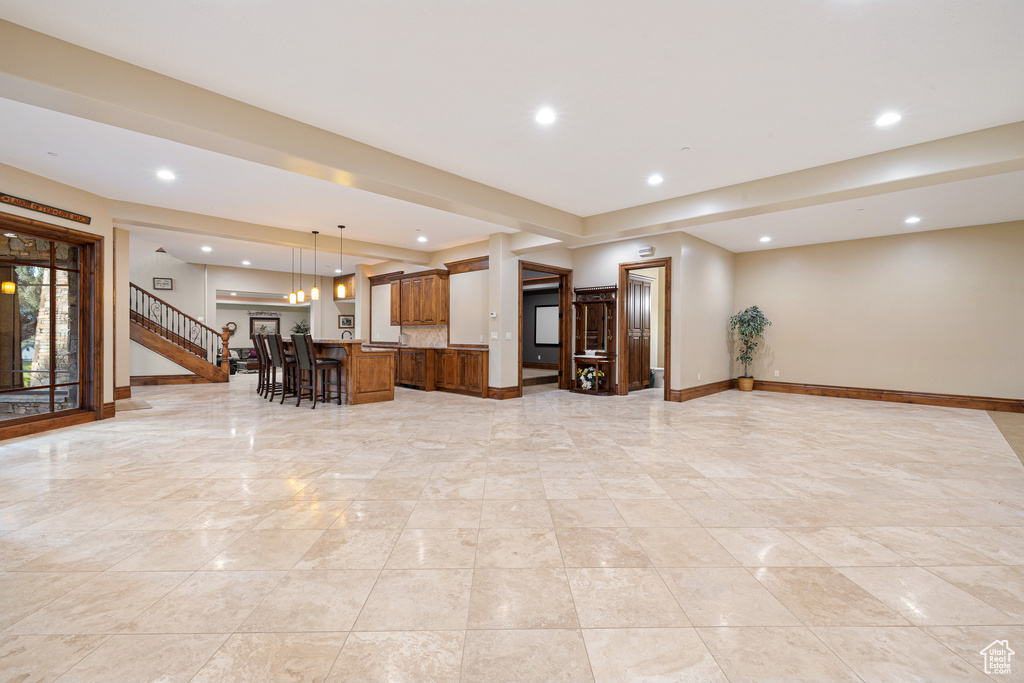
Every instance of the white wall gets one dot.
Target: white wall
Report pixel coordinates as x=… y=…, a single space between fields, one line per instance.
x=467 y=310
x=146 y=263
x=239 y=314
x=383 y=330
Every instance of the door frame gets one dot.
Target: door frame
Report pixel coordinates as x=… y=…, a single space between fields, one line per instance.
x=622 y=381
x=565 y=321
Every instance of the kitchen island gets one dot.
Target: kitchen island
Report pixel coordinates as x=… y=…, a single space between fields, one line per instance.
x=367 y=375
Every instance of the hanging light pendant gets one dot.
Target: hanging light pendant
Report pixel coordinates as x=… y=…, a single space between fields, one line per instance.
x=314 y=292
x=300 y=293
x=291 y=295
x=340 y=293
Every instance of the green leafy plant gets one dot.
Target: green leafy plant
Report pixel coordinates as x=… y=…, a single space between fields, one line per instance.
x=301 y=327
x=749 y=324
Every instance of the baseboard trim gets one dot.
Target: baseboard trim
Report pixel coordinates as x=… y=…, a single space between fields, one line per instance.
x=541 y=366
x=45 y=424
x=109 y=410
x=122 y=392
x=681 y=395
x=502 y=393
x=1010 y=405
x=154 y=380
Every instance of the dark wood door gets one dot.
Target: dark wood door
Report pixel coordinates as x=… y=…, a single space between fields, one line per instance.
x=638 y=331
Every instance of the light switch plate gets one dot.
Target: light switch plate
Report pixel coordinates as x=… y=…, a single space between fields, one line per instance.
x=508 y=336
x=494 y=335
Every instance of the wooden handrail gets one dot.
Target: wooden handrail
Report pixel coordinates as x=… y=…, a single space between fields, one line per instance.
x=176 y=310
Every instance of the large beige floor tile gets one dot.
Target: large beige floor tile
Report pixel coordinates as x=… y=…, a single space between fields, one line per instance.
x=313 y=601
x=845 y=547
x=683 y=547
x=445 y=514
x=597 y=547
x=434 y=549
x=22 y=593
x=924 y=598
x=774 y=654
x=1001 y=587
x=585 y=513
x=623 y=598
x=725 y=596
x=541 y=656
x=654 y=513
x=350 y=549
x=106 y=603
x=511 y=548
x=400 y=656
x=133 y=658
x=417 y=599
x=521 y=598
x=207 y=602
x=375 y=514
x=293 y=657
x=896 y=654
x=265 y=550
x=515 y=514
x=821 y=596
x=650 y=655
x=35 y=659
x=765 y=547
x=179 y=550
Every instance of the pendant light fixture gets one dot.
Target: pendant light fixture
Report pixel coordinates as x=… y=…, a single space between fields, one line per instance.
x=314 y=293
x=300 y=293
x=291 y=295
x=340 y=293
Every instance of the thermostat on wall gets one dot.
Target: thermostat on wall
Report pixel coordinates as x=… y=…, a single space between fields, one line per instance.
x=493 y=314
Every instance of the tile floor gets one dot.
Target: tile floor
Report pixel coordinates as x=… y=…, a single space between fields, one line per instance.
x=739 y=537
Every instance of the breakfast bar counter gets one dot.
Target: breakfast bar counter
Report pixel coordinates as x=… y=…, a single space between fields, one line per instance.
x=368 y=376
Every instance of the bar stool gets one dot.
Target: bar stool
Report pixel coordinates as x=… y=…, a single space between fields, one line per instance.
x=315 y=369
x=278 y=359
x=262 y=364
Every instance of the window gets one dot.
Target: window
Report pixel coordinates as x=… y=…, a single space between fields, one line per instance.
x=48 y=322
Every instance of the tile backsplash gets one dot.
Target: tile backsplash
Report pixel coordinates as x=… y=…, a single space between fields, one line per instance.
x=427 y=335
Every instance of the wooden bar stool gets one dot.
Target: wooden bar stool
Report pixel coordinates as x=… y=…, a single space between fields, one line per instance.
x=262 y=364
x=315 y=369
x=288 y=366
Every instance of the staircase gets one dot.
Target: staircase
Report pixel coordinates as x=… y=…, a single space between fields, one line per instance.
x=176 y=336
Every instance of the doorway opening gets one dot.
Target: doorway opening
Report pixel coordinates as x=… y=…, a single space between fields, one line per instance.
x=544 y=327
x=645 y=326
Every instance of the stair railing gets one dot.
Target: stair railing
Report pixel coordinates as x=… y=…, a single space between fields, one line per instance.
x=177 y=327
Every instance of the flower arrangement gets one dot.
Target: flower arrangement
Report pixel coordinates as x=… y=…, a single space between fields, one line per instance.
x=588 y=377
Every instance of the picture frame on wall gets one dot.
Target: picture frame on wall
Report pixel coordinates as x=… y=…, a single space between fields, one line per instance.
x=545 y=330
x=346 y=322
x=163 y=283
x=264 y=326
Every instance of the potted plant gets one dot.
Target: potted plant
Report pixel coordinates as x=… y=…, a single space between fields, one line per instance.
x=301 y=327
x=749 y=324
x=589 y=377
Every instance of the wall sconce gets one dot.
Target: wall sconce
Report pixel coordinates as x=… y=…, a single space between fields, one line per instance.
x=8 y=287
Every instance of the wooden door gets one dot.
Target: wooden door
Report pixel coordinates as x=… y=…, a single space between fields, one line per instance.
x=396 y=303
x=638 y=331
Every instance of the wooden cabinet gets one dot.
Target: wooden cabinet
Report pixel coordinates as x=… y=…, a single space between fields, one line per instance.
x=420 y=298
x=396 y=303
x=472 y=371
x=446 y=369
x=415 y=368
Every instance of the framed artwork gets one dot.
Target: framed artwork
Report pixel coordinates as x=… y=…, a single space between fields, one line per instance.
x=163 y=283
x=264 y=326
x=346 y=321
x=545 y=331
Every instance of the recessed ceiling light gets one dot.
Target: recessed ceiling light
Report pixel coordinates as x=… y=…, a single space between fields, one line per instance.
x=53 y=154
x=9 y=234
x=234 y=293
x=887 y=119
x=912 y=219
x=655 y=179
x=421 y=238
x=246 y=263
x=546 y=116
x=165 y=175
x=338 y=271
x=207 y=249
x=766 y=238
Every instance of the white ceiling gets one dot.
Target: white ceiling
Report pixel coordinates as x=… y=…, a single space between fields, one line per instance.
x=187 y=247
x=753 y=88
x=121 y=164
x=980 y=201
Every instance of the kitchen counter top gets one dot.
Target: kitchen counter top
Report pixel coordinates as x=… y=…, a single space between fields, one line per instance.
x=451 y=347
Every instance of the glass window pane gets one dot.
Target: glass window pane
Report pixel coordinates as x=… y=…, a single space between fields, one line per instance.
x=65 y=364
x=65 y=255
x=17 y=404
x=65 y=398
x=24 y=333
x=23 y=248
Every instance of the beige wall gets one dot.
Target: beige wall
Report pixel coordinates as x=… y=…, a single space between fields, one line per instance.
x=383 y=330
x=702 y=298
x=467 y=308
x=19 y=183
x=938 y=311
x=122 y=369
